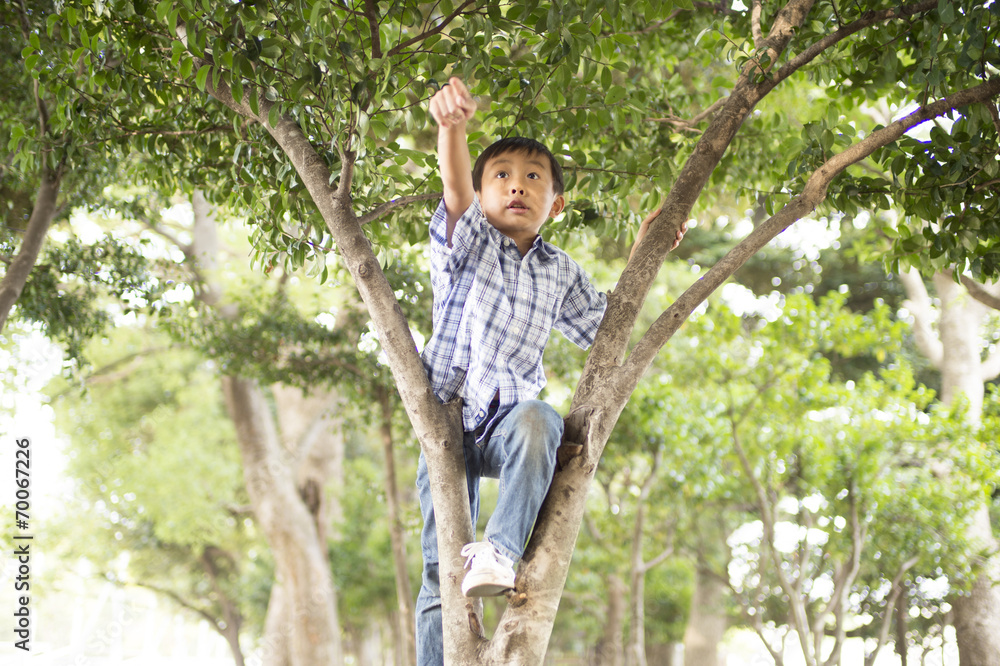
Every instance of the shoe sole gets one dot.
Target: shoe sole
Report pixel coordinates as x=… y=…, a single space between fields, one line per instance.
x=473 y=588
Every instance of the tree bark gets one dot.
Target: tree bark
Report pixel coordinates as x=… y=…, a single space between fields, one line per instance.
x=31 y=245
x=610 y=651
x=300 y=557
x=275 y=649
x=706 y=621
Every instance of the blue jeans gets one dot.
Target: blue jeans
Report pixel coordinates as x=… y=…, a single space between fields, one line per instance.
x=521 y=452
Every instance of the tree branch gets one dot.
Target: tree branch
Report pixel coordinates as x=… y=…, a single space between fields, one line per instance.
x=612 y=339
x=184 y=603
x=433 y=31
x=689 y=125
x=867 y=19
x=919 y=304
x=812 y=195
x=755 y=30
x=890 y=605
x=399 y=202
x=980 y=293
x=371 y=13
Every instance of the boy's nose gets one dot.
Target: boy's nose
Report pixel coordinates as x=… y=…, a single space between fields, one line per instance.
x=517 y=190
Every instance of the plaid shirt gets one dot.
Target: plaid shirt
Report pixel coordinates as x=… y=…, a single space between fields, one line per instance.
x=494 y=310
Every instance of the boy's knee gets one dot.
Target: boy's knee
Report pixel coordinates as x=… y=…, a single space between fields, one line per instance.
x=538 y=428
x=539 y=420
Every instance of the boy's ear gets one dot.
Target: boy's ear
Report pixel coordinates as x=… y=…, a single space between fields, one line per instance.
x=557 y=205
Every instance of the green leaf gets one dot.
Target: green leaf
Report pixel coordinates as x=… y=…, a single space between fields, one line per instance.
x=163 y=9
x=201 y=78
x=615 y=95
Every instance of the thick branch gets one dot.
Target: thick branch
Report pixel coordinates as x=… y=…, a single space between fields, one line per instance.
x=812 y=195
x=624 y=304
x=755 y=29
x=31 y=245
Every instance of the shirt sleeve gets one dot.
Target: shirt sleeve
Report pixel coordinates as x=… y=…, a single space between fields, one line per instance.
x=468 y=228
x=582 y=310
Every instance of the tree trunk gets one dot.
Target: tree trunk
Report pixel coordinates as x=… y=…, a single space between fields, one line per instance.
x=275 y=649
x=635 y=655
x=34 y=237
x=300 y=557
x=956 y=352
x=610 y=651
x=405 y=626
x=231 y=616
x=706 y=621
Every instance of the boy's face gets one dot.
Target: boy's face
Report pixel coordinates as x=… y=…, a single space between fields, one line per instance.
x=517 y=194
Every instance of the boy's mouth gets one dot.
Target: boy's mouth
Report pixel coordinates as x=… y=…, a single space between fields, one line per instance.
x=517 y=204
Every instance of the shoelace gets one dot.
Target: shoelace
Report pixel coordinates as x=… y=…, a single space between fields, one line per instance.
x=472 y=550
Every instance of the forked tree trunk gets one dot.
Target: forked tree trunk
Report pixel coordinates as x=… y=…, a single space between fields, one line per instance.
x=301 y=563
x=285 y=481
x=955 y=350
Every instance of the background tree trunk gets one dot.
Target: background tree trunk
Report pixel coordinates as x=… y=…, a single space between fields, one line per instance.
x=405 y=627
x=707 y=620
x=955 y=350
x=610 y=651
x=286 y=484
x=301 y=563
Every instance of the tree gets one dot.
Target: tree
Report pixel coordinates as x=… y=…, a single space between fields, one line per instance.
x=334 y=86
x=840 y=479
x=958 y=351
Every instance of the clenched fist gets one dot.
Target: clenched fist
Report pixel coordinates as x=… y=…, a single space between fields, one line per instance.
x=452 y=106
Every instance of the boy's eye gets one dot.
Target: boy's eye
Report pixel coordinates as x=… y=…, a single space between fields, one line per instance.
x=533 y=176
x=501 y=174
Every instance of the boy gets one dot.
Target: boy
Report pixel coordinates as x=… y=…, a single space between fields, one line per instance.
x=499 y=289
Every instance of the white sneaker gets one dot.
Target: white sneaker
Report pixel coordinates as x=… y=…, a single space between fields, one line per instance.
x=490 y=573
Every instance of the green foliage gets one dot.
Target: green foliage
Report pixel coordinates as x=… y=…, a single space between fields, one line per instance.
x=843 y=462
x=76 y=289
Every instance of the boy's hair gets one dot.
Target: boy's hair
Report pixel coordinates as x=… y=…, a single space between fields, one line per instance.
x=516 y=144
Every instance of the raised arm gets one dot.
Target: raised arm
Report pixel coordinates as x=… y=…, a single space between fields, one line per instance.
x=451 y=108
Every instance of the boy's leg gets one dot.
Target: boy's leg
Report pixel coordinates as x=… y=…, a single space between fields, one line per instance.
x=430 y=638
x=522 y=453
